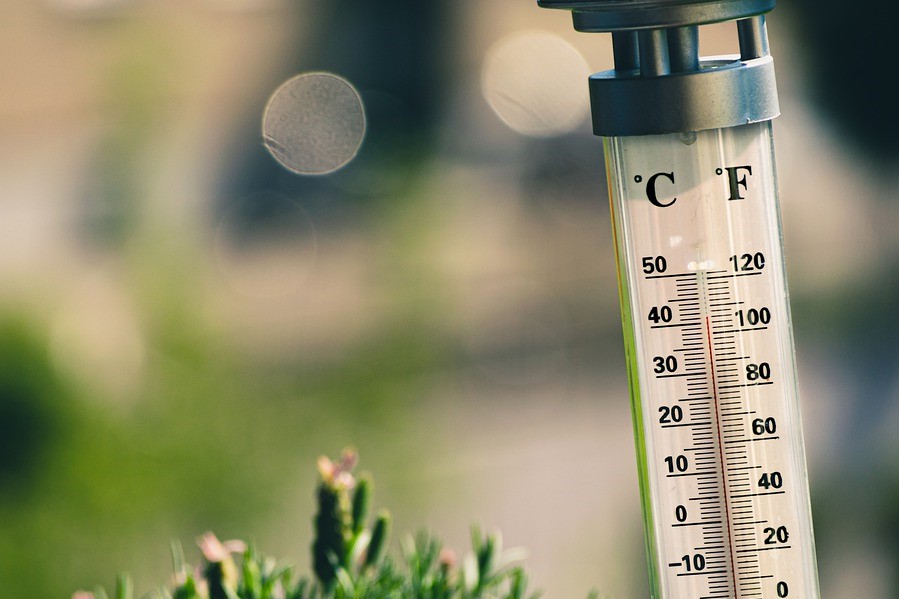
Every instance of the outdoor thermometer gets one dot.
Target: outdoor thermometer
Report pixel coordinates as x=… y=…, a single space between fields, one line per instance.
x=709 y=344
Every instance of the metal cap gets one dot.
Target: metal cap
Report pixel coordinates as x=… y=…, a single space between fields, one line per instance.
x=659 y=83
x=623 y=15
x=725 y=92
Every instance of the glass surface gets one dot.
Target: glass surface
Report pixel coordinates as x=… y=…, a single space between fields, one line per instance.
x=711 y=364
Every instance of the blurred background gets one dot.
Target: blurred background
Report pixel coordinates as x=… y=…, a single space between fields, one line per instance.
x=185 y=325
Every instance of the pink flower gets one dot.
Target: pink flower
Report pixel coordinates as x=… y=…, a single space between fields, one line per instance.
x=339 y=474
x=215 y=551
x=447 y=558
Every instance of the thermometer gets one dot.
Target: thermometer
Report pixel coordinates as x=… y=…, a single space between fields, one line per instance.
x=708 y=338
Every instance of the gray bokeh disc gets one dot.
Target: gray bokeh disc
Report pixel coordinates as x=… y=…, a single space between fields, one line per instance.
x=314 y=123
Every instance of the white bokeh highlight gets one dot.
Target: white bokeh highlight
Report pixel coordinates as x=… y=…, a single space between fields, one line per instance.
x=314 y=123
x=536 y=82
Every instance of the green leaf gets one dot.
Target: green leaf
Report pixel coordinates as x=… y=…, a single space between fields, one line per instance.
x=178 y=563
x=361 y=504
x=187 y=590
x=378 y=543
x=332 y=531
x=124 y=589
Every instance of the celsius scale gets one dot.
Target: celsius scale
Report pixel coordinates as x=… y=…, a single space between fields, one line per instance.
x=709 y=344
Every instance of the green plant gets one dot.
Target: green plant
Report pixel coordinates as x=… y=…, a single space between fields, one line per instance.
x=349 y=559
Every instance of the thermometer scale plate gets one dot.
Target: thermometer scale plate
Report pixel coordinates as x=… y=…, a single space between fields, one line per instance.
x=710 y=351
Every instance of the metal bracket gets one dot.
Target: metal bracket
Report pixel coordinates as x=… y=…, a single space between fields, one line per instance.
x=660 y=84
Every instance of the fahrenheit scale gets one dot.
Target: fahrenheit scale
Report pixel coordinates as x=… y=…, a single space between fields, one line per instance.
x=708 y=338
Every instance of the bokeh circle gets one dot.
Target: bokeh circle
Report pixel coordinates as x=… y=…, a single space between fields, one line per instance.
x=314 y=123
x=536 y=83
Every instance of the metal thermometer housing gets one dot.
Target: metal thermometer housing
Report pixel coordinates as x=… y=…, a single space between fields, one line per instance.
x=706 y=319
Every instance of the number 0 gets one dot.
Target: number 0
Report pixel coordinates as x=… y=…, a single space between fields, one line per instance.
x=782 y=589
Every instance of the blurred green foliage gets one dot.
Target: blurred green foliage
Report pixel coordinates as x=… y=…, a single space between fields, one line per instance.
x=35 y=408
x=206 y=444
x=91 y=484
x=349 y=559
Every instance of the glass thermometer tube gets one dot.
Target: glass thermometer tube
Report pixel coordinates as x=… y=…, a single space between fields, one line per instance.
x=710 y=357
